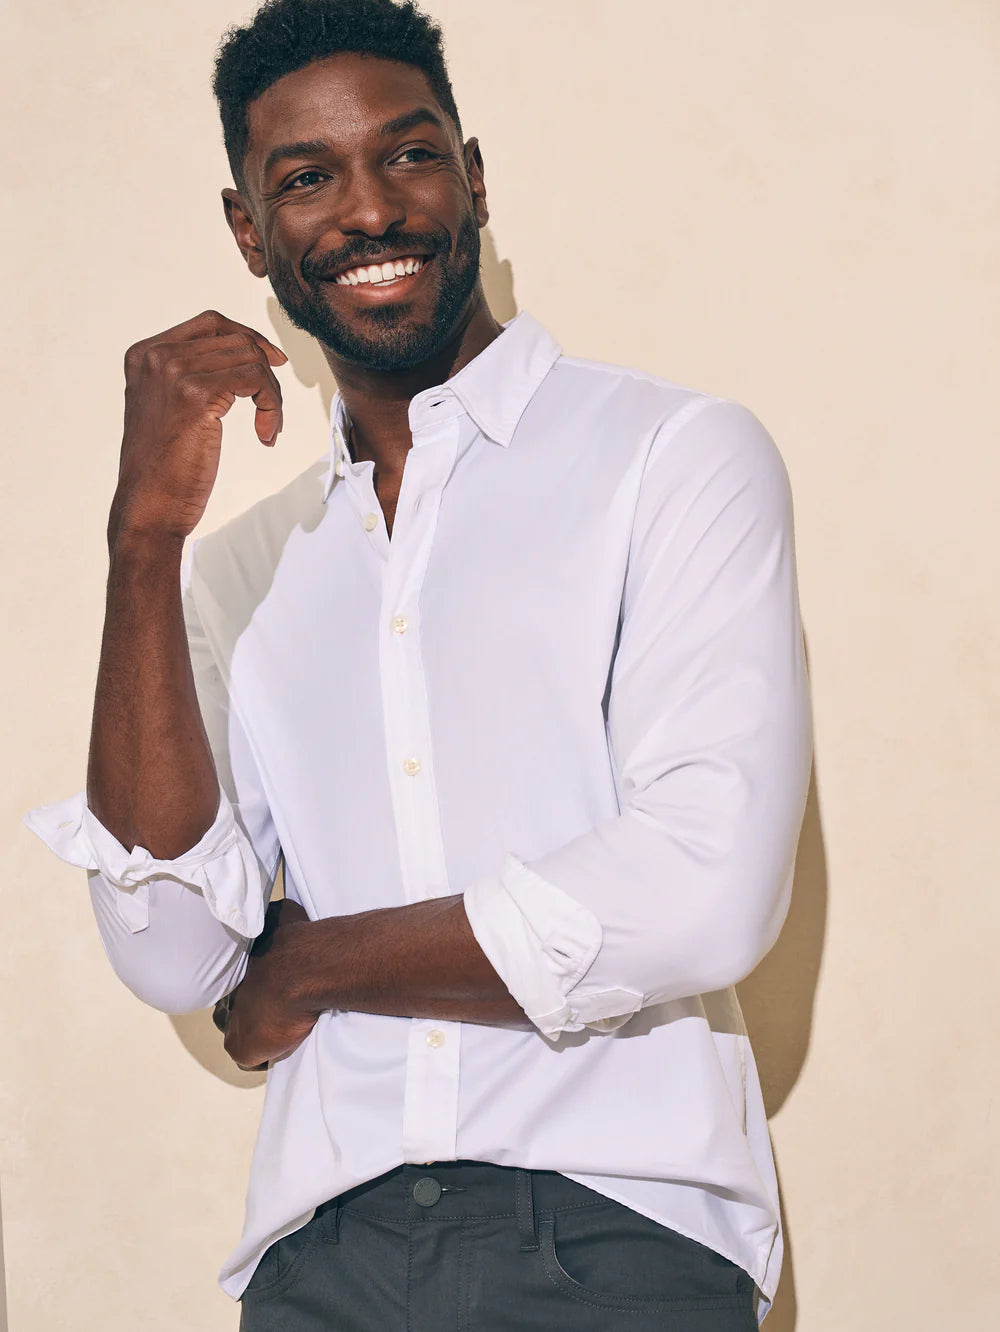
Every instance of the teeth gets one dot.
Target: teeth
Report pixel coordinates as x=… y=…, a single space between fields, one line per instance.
x=390 y=271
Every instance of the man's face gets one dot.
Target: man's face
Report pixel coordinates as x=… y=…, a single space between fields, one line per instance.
x=352 y=163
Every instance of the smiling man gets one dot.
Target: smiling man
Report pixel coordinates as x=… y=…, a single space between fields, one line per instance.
x=512 y=683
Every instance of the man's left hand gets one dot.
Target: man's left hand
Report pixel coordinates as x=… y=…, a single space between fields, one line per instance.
x=264 y=1018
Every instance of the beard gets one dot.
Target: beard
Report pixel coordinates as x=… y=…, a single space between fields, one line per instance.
x=391 y=339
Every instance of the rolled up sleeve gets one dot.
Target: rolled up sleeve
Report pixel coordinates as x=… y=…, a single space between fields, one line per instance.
x=222 y=866
x=178 y=931
x=710 y=731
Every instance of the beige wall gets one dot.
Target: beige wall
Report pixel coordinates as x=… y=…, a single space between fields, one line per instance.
x=790 y=203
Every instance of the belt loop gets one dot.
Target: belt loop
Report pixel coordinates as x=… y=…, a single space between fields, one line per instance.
x=331 y=1220
x=525 y=1211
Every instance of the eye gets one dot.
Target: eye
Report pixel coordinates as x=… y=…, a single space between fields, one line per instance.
x=304 y=178
x=427 y=154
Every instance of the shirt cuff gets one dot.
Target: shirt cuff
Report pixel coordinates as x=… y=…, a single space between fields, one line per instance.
x=222 y=866
x=541 y=944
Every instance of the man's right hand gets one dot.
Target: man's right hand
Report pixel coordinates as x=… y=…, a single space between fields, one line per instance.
x=179 y=385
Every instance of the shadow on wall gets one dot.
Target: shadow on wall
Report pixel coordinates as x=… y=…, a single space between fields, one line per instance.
x=3 y=1279
x=777 y=999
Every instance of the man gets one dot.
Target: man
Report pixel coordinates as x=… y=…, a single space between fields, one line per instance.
x=513 y=684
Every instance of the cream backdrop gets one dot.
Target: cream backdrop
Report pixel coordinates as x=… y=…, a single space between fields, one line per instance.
x=791 y=203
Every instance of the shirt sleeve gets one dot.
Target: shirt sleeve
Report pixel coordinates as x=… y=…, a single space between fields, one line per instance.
x=177 y=931
x=710 y=732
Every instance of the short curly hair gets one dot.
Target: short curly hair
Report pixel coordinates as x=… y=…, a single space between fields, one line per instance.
x=285 y=35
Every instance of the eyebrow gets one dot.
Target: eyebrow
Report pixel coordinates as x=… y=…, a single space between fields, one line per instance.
x=420 y=115
x=301 y=148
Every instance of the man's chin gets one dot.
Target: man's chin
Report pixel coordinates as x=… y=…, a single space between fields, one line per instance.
x=386 y=355
x=388 y=336
x=389 y=339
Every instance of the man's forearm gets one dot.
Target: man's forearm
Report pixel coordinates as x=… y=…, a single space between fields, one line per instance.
x=420 y=960
x=151 y=778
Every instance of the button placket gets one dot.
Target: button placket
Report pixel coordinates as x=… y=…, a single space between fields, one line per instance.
x=359 y=492
x=430 y=1112
x=407 y=724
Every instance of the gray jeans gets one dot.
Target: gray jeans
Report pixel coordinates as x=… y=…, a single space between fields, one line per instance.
x=467 y=1246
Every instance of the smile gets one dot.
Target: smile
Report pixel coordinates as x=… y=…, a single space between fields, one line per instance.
x=376 y=275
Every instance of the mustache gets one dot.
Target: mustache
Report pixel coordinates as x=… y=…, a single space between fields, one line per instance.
x=328 y=266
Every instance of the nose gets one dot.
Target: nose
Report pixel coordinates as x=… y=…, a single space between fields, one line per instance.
x=368 y=206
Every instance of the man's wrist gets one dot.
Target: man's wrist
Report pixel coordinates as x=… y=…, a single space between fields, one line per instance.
x=316 y=964
x=142 y=548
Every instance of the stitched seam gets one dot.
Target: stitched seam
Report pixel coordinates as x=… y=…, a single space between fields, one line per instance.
x=626 y=1303
x=472 y=1216
x=650 y=1304
x=280 y=1284
x=409 y=1270
x=463 y=1284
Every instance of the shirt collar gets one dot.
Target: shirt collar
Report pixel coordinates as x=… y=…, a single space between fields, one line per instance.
x=494 y=388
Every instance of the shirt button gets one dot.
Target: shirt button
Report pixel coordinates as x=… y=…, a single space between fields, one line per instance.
x=435 y=1039
x=371 y=522
x=411 y=766
x=400 y=623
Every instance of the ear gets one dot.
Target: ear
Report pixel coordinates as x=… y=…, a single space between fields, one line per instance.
x=474 y=171
x=244 y=228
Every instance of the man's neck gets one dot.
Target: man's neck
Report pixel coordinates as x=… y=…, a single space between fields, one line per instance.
x=378 y=401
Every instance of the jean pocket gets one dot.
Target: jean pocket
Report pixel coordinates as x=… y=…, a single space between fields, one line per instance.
x=614 y=1258
x=287 y=1258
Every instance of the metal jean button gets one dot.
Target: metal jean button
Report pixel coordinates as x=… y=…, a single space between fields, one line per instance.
x=426 y=1191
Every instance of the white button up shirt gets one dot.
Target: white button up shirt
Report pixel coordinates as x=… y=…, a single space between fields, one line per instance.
x=573 y=688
